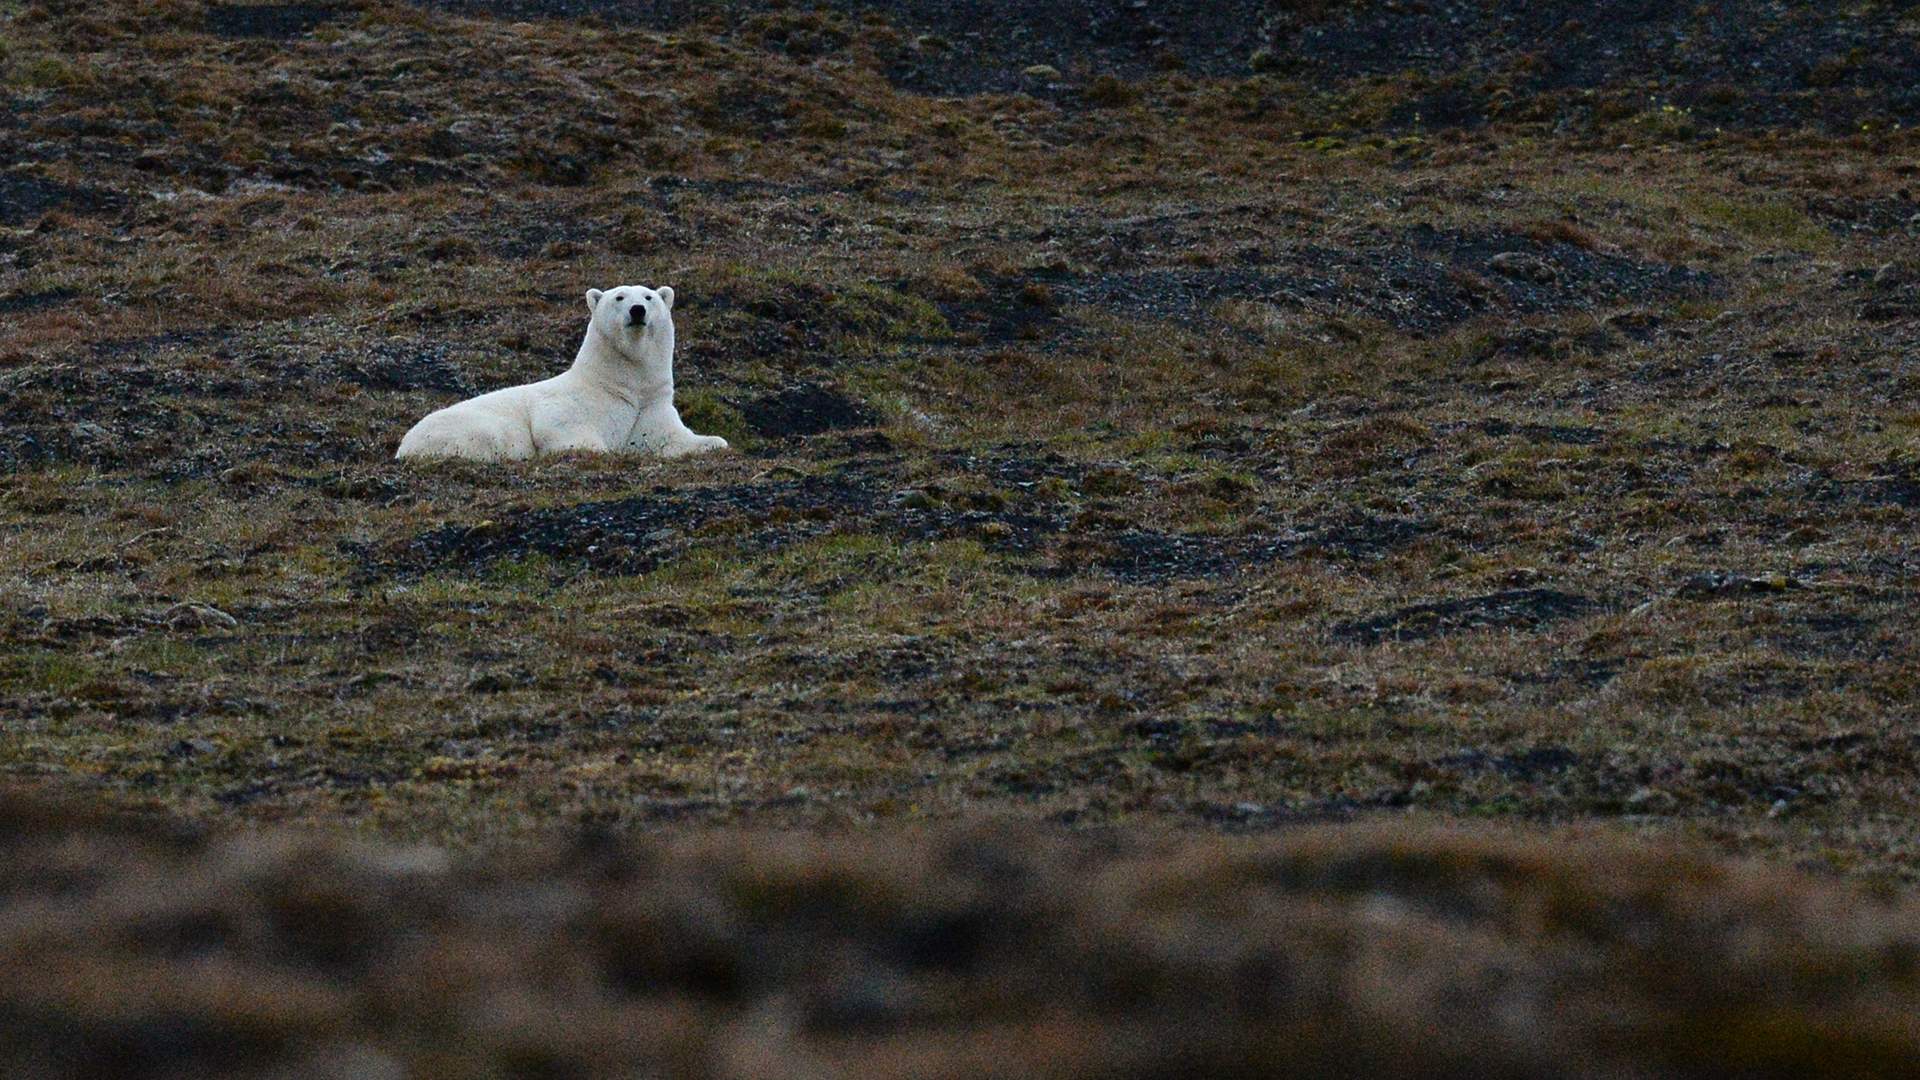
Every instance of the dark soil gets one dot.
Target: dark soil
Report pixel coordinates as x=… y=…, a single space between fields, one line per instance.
x=397 y=366
x=1749 y=63
x=273 y=21
x=25 y=199
x=1044 y=535
x=804 y=409
x=35 y=301
x=1522 y=609
x=1422 y=280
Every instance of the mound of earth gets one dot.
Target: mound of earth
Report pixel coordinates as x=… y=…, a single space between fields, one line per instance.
x=1041 y=531
x=804 y=409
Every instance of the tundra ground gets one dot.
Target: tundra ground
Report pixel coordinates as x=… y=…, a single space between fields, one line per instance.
x=1146 y=424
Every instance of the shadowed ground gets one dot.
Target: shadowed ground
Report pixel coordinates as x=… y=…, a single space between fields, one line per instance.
x=995 y=952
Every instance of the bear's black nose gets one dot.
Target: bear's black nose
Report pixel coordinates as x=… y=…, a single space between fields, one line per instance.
x=636 y=316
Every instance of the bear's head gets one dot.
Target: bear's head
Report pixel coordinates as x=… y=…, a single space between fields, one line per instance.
x=634 y=318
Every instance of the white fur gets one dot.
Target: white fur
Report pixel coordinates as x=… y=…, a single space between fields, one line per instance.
x=617 y=396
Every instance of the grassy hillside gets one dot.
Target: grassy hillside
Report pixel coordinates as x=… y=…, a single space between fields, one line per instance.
x=1152 y=422
x=1214 y=450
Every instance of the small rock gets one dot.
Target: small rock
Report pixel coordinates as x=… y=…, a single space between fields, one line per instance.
x=1720 y=583
x=88 y=431
x=187 y=748
x=917 y=499
x=183 y=616
x=991 y=502
x=1042 y=71
x=1518 y=264
x=1052 y=261
x=1651 y=801
x=1881 y=311
x=1633 y=321
x=1894 y=274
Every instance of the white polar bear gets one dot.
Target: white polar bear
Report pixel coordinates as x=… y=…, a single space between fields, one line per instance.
x=617 y=396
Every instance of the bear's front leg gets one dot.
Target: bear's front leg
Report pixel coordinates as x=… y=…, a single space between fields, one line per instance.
x=659 y=430
x=570 y=424
x=693 y=444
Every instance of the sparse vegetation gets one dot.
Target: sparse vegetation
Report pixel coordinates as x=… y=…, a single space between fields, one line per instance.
x=1138 y=456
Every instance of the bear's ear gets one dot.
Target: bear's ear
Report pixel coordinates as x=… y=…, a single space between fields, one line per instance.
x=593 y=299
x=666 y=296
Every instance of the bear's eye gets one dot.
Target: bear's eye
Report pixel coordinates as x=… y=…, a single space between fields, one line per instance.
x=620 y=298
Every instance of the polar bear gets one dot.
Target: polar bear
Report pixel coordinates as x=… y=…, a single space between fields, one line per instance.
x=617 y=396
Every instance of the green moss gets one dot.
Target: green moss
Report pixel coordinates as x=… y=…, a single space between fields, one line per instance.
x=703 y=573
x=47 y=73
x=528 y=571
x=44 y=672
x=1668 y=123
x=170 y=654
x=1150 y=442
x=706 y=413
x=863 y=317
x=879 y=315
x=903 y=421
x=1776 y=223
x=836 y=556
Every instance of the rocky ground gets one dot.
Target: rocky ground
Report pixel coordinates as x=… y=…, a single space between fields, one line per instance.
x=1152 y=421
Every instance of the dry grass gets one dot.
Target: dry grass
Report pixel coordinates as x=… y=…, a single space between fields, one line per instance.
x=1196 y=499
x=1188 y=455
x=993 y=952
